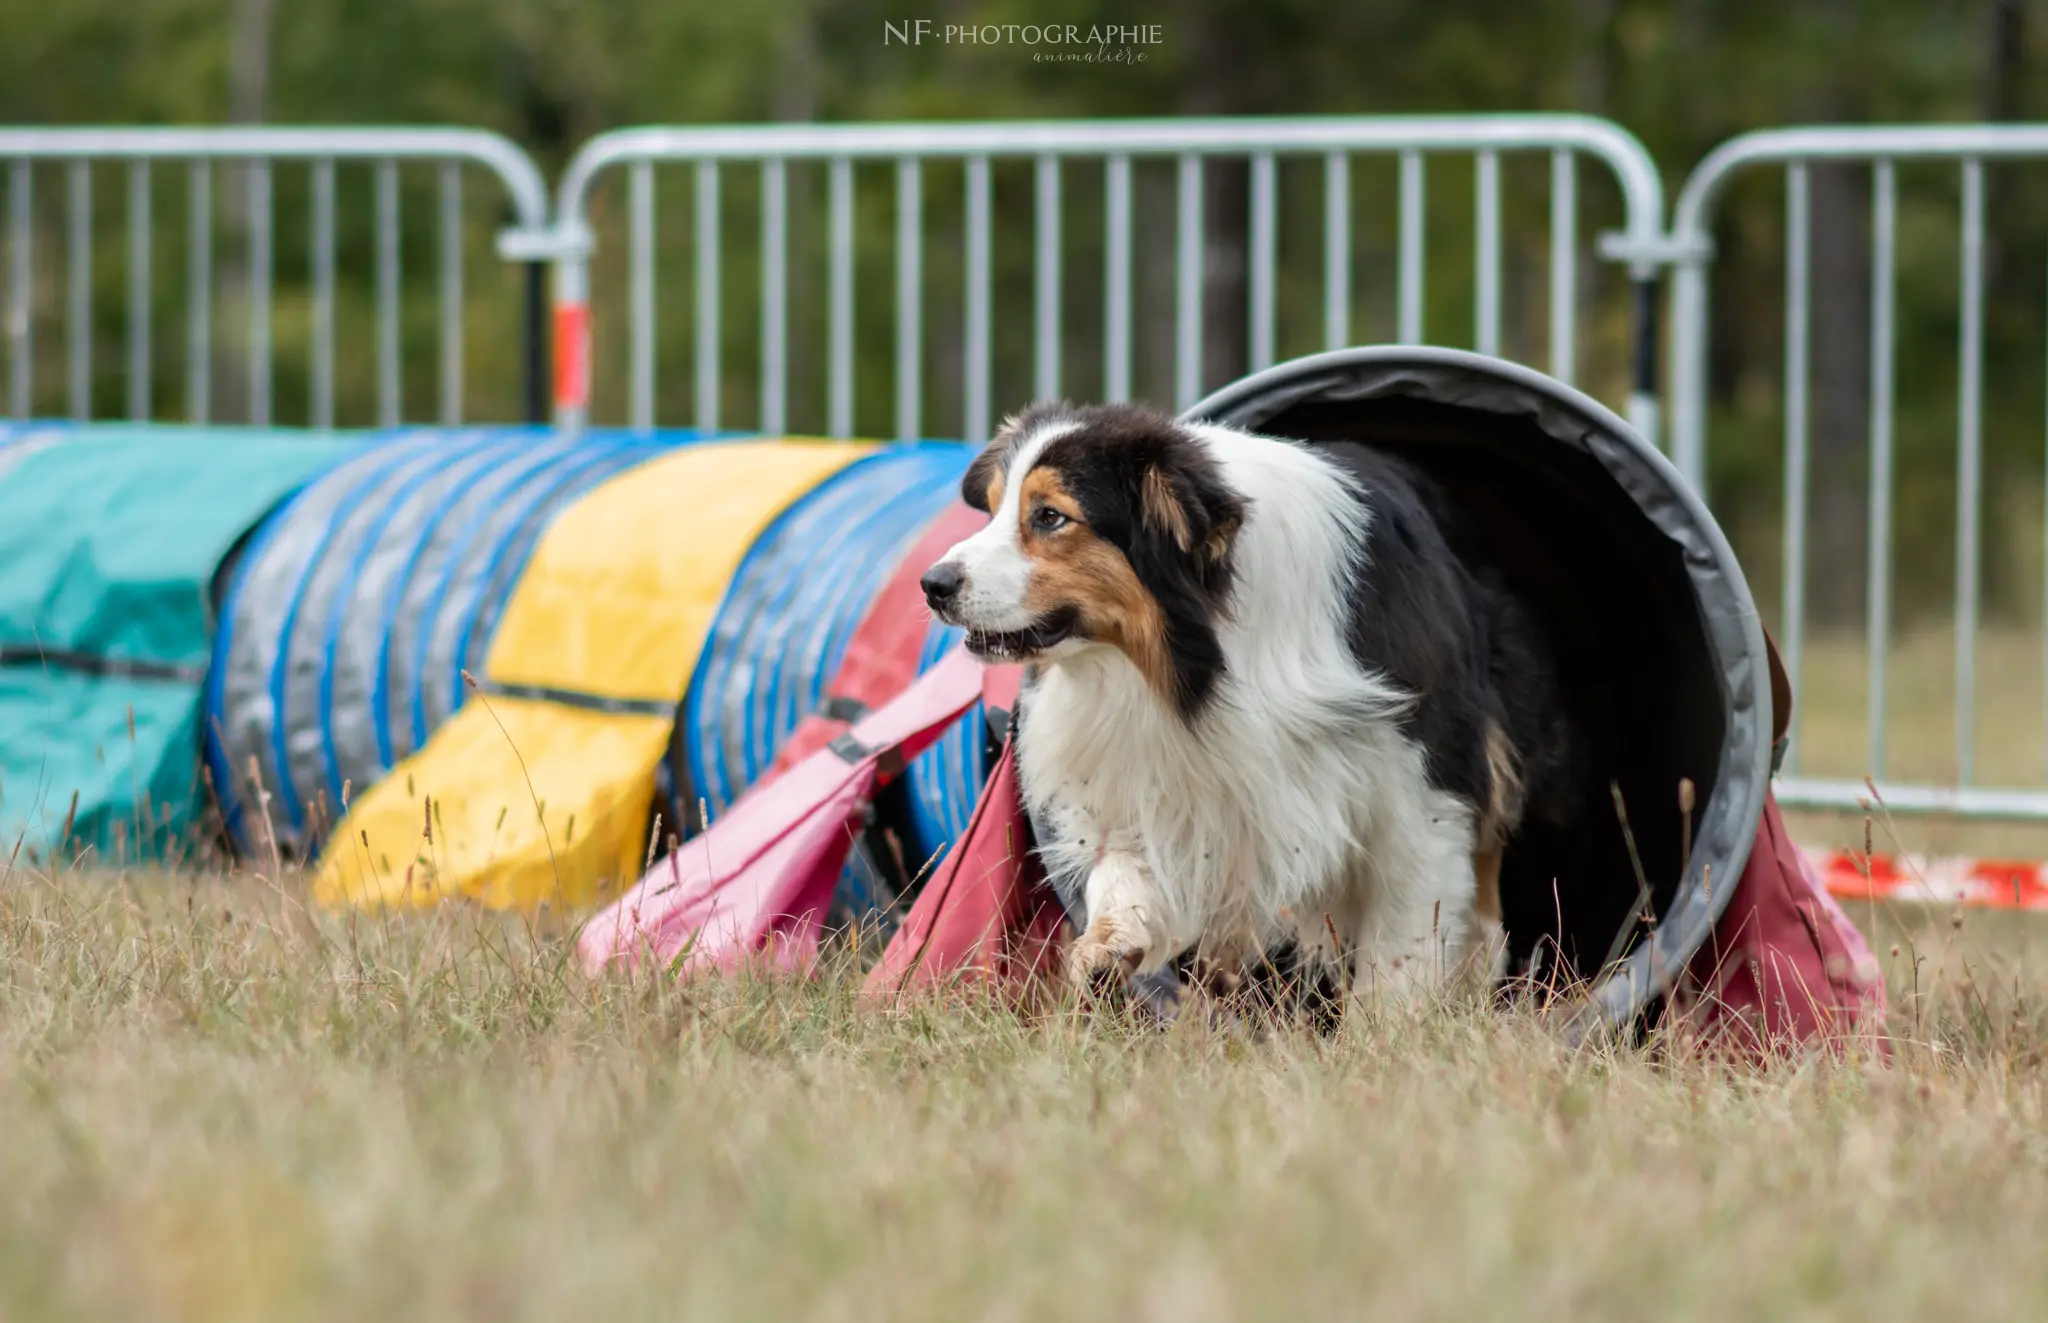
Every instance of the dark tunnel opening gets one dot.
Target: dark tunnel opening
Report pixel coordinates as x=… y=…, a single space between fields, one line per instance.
x=1637 y=671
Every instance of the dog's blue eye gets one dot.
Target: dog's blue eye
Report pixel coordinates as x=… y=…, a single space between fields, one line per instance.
x=1047 y=519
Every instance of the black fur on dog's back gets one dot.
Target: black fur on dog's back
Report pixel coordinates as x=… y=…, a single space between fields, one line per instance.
x=1449 y=629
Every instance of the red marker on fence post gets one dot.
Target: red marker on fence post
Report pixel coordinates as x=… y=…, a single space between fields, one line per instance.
x=572 y=362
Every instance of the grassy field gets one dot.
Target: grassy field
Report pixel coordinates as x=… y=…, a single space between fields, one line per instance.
x=216 y=1106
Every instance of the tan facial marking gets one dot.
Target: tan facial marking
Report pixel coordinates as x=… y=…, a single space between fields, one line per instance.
x=1043 y=487
x=1075 y=568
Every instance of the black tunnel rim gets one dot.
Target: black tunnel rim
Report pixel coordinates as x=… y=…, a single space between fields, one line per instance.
x=1727 y=820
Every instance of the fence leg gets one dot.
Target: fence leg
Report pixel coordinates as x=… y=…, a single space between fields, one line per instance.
x=537 y=366
x=1642 y=399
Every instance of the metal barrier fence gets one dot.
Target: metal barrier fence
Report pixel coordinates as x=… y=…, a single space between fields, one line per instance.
x=1050 y=148
x=1050 y=155
x=1691 y=251
x=256 y=151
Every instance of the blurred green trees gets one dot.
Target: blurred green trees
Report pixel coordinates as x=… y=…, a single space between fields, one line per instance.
x=550 y=73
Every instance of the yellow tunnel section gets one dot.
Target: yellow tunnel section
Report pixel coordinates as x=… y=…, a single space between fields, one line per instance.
x=534 y=793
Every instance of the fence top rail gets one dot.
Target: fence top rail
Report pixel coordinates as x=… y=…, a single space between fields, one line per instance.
x=1642 y=187
x=1693 y=211
x=492 y=151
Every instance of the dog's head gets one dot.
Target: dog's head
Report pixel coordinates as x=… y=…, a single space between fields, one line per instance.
x=1109 y=525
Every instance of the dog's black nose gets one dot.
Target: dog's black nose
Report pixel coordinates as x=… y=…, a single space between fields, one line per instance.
x=941 y=584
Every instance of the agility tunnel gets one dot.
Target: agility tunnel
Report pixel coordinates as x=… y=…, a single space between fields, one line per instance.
x=517 y=666
x=347 y=625
x=1664 y=666
x=112 y=540
x=508 y=667
x=1665 y=670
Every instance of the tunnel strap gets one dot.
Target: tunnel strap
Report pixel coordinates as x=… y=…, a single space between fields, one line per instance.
x=102 y=667
x=536 y=693
x=768 y=866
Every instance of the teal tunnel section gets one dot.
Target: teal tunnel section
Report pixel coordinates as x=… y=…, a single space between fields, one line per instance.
x=349 y=624
x=783 y=629
x=111 y=538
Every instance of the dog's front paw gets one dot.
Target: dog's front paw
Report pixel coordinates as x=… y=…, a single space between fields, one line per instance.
x=1109 y=952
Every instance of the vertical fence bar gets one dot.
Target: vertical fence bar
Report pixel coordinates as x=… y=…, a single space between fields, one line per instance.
x=536 y=345
x=1263 y=242
x=1116 y=337
x=138 y=291
x=1486 y=282
x=774 y=296
x=909 y=293
x=323 y=295
x=1045 y=303
x=640 y=293
x=1969 y=468
x=20 y=306
x=199 y=302
x=2044 y=582
x=1642 y=395
x=1187 y=299
x=708 y=329
x=1792 y=615
x=979 y=386
x=78 y=267
x=1336 y=250
x=258 y=183
x=1564 y=271
x=839 y=388
x=1410 y=295
x=389 y=386
x=451 y=293
x=1883 y=232
x=1688 y=363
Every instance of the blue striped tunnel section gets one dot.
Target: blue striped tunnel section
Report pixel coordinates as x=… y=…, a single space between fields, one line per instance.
x=358 y=604
x=791 y=610
x=786 y=619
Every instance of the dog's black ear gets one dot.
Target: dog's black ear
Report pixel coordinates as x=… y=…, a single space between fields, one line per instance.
x=1164 y=509
x=1183 y=497
x=1226 y=517
x=981 y=487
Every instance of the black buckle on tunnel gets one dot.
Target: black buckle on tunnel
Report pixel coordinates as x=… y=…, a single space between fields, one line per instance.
x=888 y=757
x=841 y=708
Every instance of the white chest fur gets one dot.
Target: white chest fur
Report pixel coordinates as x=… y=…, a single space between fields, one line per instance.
x=1261 y=814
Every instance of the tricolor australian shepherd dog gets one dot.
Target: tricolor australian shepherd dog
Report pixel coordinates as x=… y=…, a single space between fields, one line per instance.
x=1267 y=702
